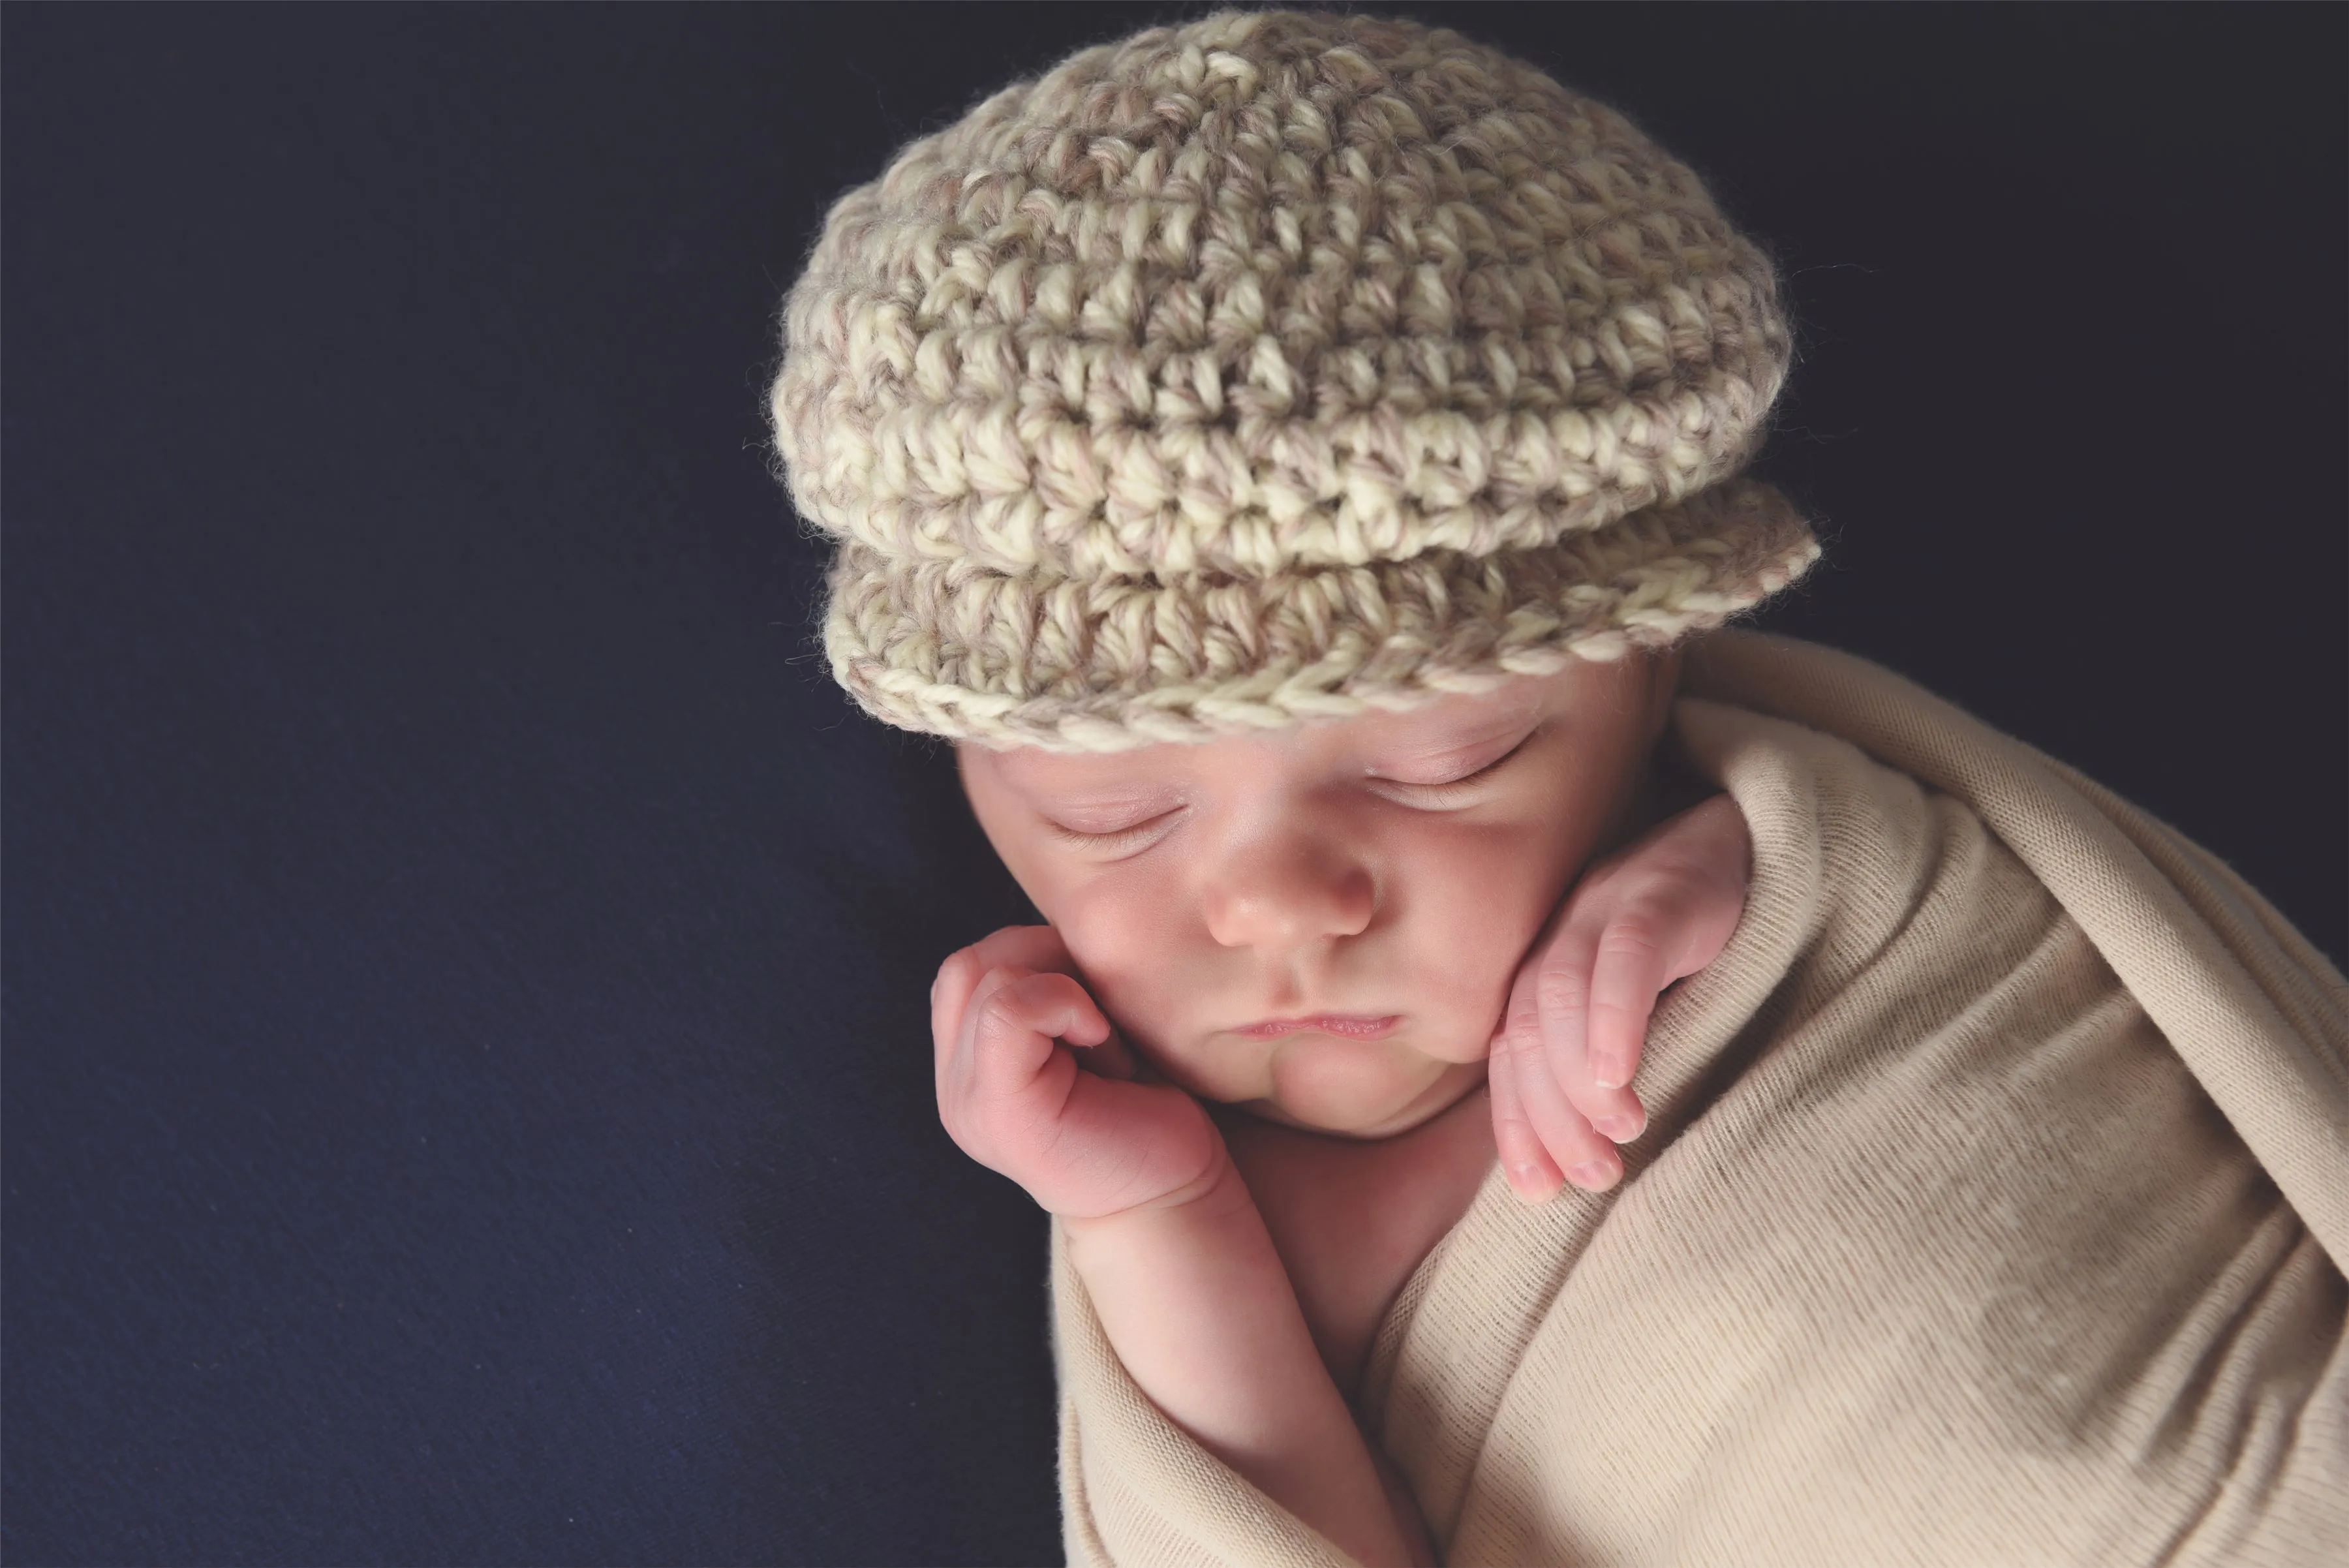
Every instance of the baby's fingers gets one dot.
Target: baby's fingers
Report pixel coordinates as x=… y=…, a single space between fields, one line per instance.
x=1532 y=1175
x=1006 y=1077
x=1564 y=1134
x=1565 y=995
x=1628 y=970
x=1015 y=1018
x=1026 y=947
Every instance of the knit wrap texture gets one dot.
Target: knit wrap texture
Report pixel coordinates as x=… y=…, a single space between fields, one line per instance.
x=1274 y=367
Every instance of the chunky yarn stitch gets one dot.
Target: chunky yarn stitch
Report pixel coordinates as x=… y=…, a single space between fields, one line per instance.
x=1277 y=366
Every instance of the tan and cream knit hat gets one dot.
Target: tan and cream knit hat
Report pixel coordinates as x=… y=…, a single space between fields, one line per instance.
x=1277 y=366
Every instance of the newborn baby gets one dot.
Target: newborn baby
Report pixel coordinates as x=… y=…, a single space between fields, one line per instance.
x=1298 y=460
x=1319 y=931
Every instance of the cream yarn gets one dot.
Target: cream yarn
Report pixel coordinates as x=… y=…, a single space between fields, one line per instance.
x=1272 y=366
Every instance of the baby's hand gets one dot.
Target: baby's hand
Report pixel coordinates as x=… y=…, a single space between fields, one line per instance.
x=1562 y=1064
x=1084 y=1140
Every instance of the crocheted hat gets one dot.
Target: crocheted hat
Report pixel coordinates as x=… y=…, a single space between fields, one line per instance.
x=1277 y=366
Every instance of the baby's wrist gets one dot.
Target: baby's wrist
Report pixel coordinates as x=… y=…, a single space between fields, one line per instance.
x=1216 y=1198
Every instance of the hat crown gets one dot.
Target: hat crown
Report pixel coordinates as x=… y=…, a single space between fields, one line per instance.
x=1265 y=292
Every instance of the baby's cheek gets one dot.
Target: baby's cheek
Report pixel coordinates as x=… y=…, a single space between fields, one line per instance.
x=1135 y=965
x=1472 y=926
x=1459 y=1023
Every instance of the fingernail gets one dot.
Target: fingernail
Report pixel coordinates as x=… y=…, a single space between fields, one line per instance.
x=1595 y=1173
x=1607 y=1072
x=1621 y=1129
x=1530 y=1181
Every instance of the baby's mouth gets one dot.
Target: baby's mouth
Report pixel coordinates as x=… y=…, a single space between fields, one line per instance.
x=1344 y=1026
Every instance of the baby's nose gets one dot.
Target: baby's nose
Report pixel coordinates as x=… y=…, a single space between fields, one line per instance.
x=1286 y=896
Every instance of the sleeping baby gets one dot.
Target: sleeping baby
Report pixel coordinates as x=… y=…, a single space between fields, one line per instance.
x=1521 y=1073
x=1313 y=931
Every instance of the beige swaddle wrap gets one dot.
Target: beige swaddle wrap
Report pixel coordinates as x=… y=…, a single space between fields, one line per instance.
x=1994 y=1210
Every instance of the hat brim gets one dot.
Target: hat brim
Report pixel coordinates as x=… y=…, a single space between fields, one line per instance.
x=952 y=648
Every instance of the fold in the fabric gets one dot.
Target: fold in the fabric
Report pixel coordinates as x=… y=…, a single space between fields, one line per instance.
x=1992 y=1210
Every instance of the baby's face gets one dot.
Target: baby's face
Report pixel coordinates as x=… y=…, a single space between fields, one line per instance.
x=1320 y=924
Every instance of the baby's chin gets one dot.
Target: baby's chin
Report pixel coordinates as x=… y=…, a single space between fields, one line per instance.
x=1335 y=1086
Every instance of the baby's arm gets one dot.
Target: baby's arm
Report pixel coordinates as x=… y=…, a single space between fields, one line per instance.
x=1561 y=1066
x=1172 y=1249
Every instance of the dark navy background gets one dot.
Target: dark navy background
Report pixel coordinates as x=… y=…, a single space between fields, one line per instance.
x=465 y=1081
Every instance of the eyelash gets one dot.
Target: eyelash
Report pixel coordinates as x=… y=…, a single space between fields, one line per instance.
x=1123 y=836
x=1440 y=790
x=1141 y=830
